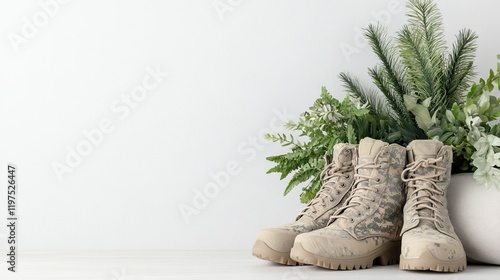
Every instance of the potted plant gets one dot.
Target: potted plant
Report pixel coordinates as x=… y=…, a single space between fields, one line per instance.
x=422 y=91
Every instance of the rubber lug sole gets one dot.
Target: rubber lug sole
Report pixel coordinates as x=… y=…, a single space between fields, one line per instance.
x=262 y=251
x=387 y=254
x=426 y=261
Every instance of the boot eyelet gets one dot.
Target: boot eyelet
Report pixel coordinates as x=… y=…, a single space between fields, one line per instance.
x=331 y=200
x=342 y=185
x=368 y=208
x=338 y=192
x=359 y=214
x=314 y=212
x=377 y=180
x=348 y=176
x=351 y=220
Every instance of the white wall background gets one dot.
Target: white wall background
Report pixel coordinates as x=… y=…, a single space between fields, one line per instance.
x=230 y=73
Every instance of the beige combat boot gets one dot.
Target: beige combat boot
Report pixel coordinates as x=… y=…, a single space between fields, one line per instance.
x=429 y=240
x=367 y=227
x=274 y=244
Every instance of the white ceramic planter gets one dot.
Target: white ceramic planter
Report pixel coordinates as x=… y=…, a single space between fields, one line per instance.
x=475 y=214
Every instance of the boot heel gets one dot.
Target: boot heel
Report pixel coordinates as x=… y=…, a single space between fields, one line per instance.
x=390 y=255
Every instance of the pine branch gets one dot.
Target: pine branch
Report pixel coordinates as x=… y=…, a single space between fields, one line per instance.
x=377 y=104
x=387 y=53
x=425 y=18
x=395 y=100
x=426 y=24
x=419 y=66
x=460 y=67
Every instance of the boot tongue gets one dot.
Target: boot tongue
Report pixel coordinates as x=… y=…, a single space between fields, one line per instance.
x=422 y=150
x=337 y=151
x=342 y=155
x=339 y=155
x=368 y=150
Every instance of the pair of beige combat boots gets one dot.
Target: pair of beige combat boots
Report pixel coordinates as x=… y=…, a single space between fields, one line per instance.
x=378 y=203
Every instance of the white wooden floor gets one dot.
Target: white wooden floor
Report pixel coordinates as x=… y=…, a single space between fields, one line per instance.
x=232 y=265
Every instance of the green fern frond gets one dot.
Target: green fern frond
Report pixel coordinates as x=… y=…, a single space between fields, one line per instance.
x=302 y=175
x=310 y=191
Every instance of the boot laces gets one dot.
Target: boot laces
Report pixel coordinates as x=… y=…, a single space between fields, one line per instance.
x=362 y=192
x=427 y=193
x=330 y=176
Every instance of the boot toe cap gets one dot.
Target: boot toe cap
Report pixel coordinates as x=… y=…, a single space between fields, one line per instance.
x=333 y=244
x=441 y=247
x=277 y=239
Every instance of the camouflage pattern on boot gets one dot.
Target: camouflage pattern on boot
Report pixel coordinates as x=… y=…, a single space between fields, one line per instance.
x=429 y=240
x=367 y=227
x=274 y=244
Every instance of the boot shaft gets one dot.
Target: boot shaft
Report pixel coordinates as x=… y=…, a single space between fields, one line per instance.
x=427 y=177
x=377 y=198
x=423 y=158
x=337 y=177
x=429 y=241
